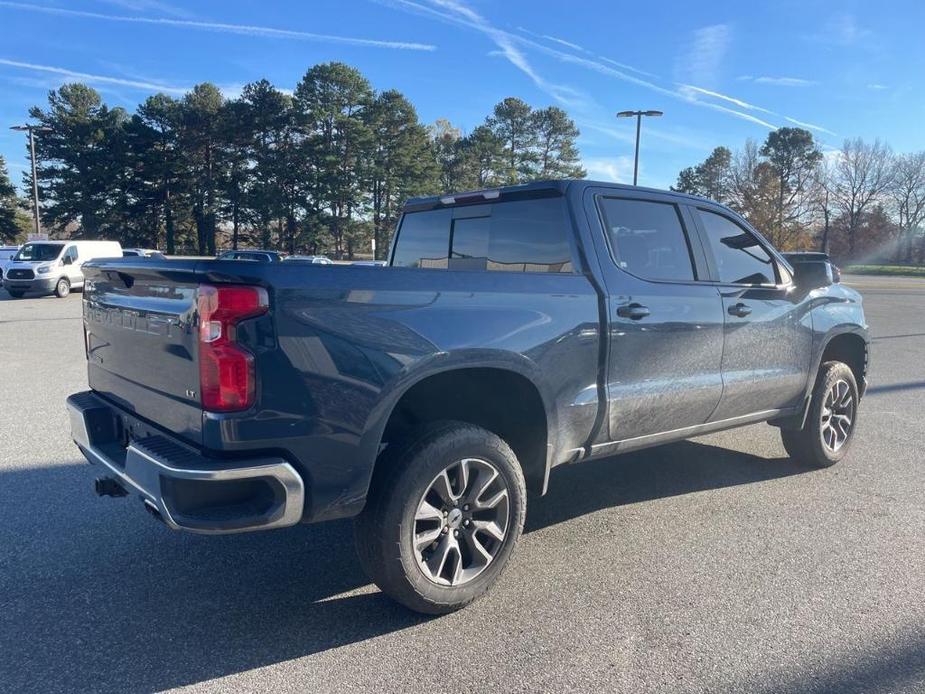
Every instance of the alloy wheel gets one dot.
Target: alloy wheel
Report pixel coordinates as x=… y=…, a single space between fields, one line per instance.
x=837 y=416
x=461 y=522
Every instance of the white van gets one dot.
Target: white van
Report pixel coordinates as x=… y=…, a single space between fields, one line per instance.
x=6 y=257
x=53 y=267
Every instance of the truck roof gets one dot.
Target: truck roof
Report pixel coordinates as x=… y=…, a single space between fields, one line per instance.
x=537 y=189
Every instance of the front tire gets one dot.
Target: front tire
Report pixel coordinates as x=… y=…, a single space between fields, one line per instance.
x=15 y=293
x=828 y=431
x=443 y=515
x=62 y=288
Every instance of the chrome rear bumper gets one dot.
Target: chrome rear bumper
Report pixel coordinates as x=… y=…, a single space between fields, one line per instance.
x=188 y=490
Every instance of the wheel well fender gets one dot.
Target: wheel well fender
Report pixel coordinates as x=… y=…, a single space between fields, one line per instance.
x=849 y=345
x=503 y=396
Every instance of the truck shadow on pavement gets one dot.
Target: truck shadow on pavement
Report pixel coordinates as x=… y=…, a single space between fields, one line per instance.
x=94 y=595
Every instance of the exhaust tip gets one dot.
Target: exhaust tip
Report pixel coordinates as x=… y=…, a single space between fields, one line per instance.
x=108 y=486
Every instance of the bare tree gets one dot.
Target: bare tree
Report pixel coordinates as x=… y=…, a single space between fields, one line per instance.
x=821 y=200
x=863 y=174
x=908 y=197
x=753 y=190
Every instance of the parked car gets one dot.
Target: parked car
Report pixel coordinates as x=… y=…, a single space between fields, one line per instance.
x=142 y=253
x=54 y=267
x=6 y=256
x=517 y=329
x=313 y=259
x=258 y=256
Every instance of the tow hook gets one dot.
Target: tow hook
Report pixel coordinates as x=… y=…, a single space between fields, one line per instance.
x=108 y=486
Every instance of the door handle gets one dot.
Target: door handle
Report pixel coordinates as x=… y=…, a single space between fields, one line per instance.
x=633 y=311
x=741 y=310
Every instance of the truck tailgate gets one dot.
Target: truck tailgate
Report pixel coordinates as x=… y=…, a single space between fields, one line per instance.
x=140 y=322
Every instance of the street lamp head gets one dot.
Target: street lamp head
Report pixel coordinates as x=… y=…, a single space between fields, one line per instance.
x=33 y=128
x=633 y=114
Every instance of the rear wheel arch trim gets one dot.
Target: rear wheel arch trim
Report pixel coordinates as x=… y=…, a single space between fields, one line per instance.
x=513 y=364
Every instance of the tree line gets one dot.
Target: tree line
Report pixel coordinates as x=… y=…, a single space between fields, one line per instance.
x=859 y=203
x=324 y=168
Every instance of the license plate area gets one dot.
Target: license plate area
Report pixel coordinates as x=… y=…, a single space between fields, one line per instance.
x=114 y=437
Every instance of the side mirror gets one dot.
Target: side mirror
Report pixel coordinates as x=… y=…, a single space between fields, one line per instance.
x=68 y=260
x=812 y=274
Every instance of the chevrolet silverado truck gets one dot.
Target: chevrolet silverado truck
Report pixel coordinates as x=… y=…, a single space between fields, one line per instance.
x=513 y=330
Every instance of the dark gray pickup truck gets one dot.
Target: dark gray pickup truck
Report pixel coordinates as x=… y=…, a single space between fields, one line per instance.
x=513 y=330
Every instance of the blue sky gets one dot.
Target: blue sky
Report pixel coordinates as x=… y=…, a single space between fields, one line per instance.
x=721 y=71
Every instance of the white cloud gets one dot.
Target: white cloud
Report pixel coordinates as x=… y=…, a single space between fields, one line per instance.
x=554 y=39
x=738 y=114
x=458 y=13
x=615 y=169
x=95 y=79
x=241 y=29
x=627 y=67
x=627 y=134
x=690 y=91
x=842 y=30
x=876 y=86
x=702 y=59
x=149 y=6
x=785 y=81
x=809 y=126
x=710 y=42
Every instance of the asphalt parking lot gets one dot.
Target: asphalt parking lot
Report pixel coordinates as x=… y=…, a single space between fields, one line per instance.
x=715 y=565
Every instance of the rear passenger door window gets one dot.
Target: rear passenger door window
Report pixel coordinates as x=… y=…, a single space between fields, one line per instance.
x=739 y=257
x=530 y=236
x=648 y=239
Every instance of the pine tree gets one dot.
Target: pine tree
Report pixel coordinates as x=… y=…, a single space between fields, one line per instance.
x=513 y=124
x=557 y=154
x=201 y=140
x=78 y=162
x=403 y=163
x=794 y=156
x=9 y=228
x=154 y=135
x=483 y=158
x=710 y=179
x=449 y=155
x=331 y=103
x=268 y=121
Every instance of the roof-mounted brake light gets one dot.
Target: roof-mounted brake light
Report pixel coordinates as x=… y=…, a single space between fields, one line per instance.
x=470 y=197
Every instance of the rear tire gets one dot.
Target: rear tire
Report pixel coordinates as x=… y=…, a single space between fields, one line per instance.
x=828 y=431
x=62 y=288
x=443 y=515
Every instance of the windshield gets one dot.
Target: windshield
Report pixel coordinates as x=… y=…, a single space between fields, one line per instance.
x=39 y=252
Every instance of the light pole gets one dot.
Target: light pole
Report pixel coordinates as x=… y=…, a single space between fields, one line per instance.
x=639 y=115
x=31 y=129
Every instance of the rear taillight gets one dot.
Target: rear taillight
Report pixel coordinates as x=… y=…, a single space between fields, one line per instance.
x=227 y=378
